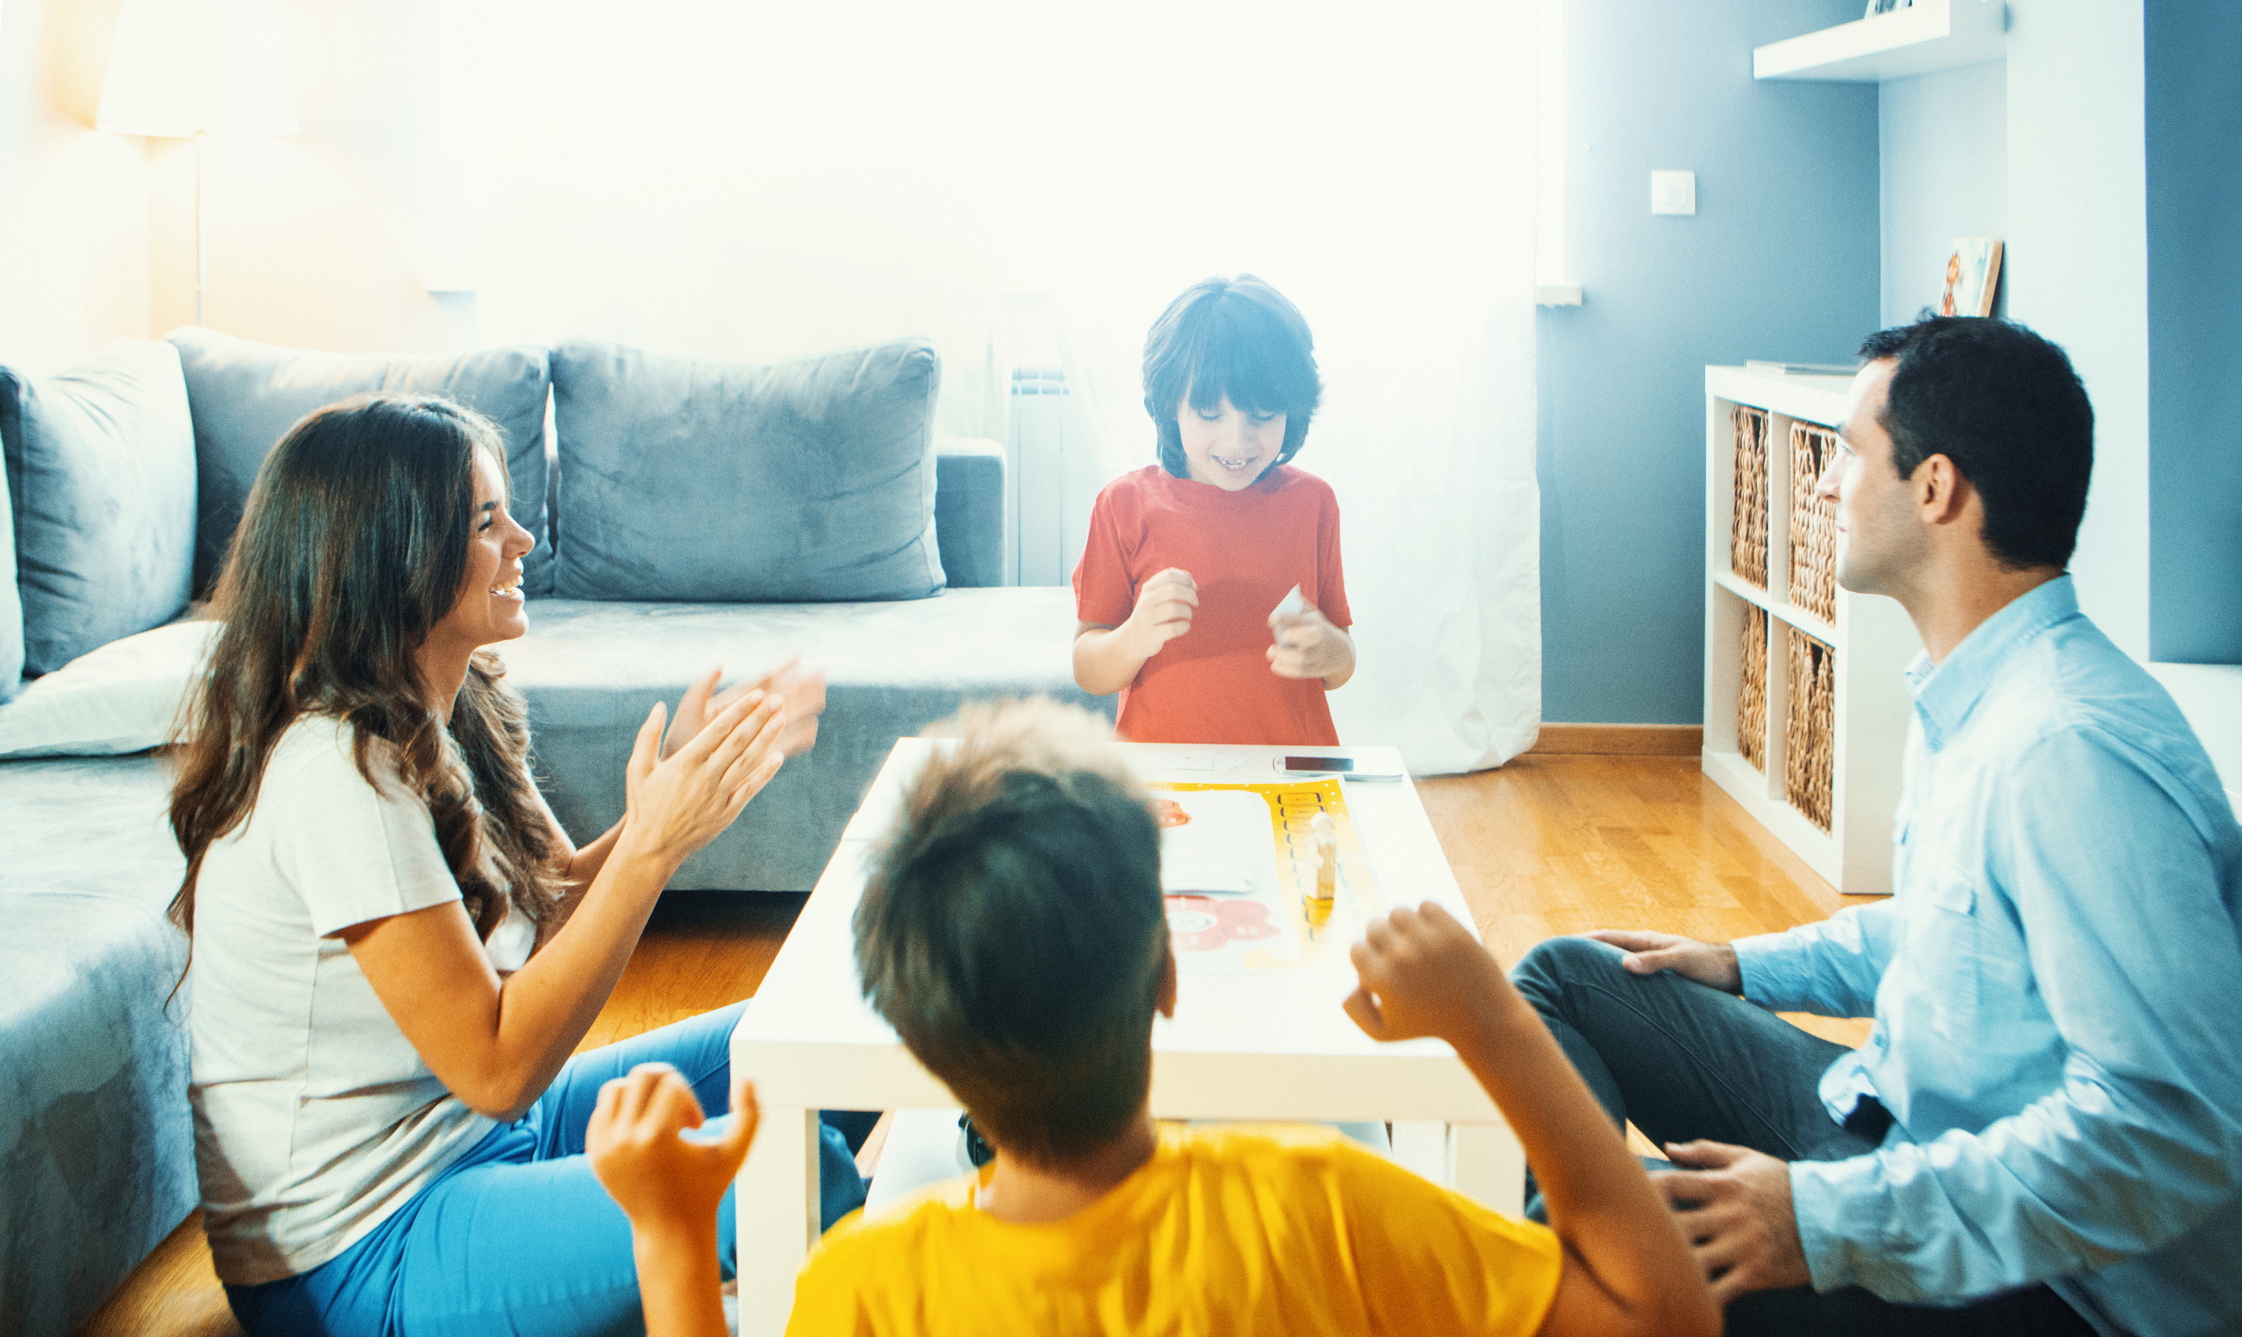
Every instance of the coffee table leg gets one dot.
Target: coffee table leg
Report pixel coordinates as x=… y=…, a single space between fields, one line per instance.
x=1422 y=1147
x=1490 y=1166
x=777 y=1205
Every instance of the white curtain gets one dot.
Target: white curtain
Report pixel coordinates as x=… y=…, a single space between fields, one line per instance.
x=1028 y=181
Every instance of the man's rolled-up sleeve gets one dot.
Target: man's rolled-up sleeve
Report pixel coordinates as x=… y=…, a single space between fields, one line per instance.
x=1830 y=968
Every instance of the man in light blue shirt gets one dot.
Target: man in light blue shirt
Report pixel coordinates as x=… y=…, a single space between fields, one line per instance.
x=2043 y=1132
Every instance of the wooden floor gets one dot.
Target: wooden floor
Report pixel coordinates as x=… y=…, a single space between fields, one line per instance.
x=1549 y=844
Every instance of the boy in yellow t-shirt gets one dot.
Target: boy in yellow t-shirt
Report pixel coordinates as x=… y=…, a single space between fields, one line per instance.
x=1013 y=933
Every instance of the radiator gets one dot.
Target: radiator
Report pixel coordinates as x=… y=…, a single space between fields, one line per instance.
x=1037 y=460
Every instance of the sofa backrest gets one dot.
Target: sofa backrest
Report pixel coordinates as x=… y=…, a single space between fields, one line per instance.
x=692 y=480
x=245 y=395
x=814 y=479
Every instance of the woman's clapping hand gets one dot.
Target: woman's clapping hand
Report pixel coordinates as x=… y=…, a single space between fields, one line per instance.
x=677 y=804
x=802 y=686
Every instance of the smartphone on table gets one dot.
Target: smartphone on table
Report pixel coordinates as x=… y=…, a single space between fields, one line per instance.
x=1352 y=768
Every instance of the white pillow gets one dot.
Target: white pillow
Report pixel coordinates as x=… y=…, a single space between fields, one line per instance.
x=123 y=697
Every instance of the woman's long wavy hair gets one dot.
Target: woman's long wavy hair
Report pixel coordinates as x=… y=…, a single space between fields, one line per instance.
x=351 y=549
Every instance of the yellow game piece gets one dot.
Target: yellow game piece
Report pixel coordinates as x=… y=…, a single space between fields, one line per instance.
x=1327 y=856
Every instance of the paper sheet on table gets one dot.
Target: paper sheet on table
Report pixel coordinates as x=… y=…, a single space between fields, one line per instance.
x=1203 y=761
x=1188 y=871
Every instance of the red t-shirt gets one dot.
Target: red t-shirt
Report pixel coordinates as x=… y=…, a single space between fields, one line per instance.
x=1245 y=550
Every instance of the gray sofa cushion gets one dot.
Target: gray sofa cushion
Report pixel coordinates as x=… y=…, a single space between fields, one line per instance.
x=724 y=481
x=97 y=1159
x=101 y=482
x=969 y=510
x=11 y=603
x=247 y=395
x=590 y=670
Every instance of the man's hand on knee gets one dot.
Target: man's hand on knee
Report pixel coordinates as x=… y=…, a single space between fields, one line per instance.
x=1733 y=1205
x=1648 y=953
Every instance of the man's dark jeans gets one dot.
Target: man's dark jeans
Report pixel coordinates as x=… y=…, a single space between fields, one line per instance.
x=1685 y=1062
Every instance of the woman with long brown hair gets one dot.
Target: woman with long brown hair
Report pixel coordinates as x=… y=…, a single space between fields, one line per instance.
x=395 y=947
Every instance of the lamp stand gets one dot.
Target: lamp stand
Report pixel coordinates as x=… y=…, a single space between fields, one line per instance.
x=201 y=278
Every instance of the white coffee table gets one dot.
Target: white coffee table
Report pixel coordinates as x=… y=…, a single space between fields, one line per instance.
x=1272 y=1045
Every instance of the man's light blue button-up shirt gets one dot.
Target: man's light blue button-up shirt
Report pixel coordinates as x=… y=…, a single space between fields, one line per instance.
x=2057 y=988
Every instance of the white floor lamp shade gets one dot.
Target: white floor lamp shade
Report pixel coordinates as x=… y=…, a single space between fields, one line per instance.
x=190 y=68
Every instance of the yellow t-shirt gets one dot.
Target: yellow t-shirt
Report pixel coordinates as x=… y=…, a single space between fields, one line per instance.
x=1225 y=1230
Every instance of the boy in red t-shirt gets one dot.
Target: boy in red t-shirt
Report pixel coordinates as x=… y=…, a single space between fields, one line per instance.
x=1180 y=586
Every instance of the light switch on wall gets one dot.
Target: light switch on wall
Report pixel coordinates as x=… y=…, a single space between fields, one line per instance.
x=1673 y=193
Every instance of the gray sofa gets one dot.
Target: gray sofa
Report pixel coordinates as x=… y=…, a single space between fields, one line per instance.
x=688 y=513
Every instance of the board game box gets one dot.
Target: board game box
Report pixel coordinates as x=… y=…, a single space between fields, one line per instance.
x=1240 y=866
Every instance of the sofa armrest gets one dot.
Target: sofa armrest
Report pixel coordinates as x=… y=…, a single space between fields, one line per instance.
x=969 y=510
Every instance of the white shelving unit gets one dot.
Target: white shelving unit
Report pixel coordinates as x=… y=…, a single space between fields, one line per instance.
x=1872 y=642
x=1929 y=36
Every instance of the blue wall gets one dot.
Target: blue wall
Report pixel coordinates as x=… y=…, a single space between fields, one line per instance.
x=1780 y=261
x=1944 y=150
x=2193 y=123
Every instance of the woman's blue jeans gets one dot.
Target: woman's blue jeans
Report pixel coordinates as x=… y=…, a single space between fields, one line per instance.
x=517 y=1236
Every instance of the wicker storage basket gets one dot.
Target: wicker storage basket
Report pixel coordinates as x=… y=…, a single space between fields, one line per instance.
x=1747 y=524
x=1813 y=523
x=1751 y=691
x=1809 y=727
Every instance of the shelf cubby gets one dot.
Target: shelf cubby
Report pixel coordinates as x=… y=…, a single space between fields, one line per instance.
x=1815 y=756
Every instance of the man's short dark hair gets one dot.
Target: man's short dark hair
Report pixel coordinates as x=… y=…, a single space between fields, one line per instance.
x=1230 y=338
x=2006 y=407
x=1012 y=929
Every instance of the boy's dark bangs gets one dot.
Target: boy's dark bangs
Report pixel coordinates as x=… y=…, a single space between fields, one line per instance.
x=1249 y=362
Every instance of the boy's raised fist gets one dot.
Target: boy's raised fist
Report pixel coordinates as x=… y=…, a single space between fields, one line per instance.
x=1164 y=608
x=1422 y=974
x=655 y=1175
x=1307 y=645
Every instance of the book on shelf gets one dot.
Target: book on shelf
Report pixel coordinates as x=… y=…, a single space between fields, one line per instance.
x=1766 y=368
x=1973 y=275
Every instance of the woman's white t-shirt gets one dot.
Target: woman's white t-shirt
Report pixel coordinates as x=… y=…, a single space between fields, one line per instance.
x=315 y=1118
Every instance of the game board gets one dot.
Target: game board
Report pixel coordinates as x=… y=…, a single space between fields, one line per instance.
x=1238 y=864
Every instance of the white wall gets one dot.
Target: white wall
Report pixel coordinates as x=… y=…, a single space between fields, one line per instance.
x=74 y=221
x=2047 y=152
x=1943 y=139
x=755 y=182
x=2078 y=265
